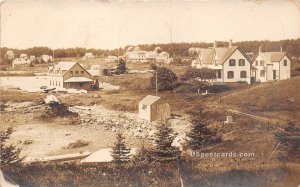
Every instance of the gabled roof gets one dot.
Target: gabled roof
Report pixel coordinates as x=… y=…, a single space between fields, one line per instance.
x=220 y=54
x=64 y=65
x=228 y=53
x=272 y=56
x=206 y=55
x=149 y=100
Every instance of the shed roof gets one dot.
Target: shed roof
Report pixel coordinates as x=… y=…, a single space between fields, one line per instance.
x=272 y=56
x=149 y=100
x=78 y=79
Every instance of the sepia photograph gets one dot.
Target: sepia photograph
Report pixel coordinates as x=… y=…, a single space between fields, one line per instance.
x=146 y=93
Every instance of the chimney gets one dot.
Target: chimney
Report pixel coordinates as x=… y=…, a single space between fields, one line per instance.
x=259 y=49
x=281 y=50
x=215 y=44
x=230 y=43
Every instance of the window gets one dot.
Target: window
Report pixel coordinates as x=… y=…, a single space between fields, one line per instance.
x=81 y=84
x=256 y=62
x=285 y=62
x=262 y=73
x=76 y=74
x=243 y=74
x=82 y=73
x=218 y=74
x=71 y=73
x=261 y=63
x=241 y=62
x=144 y=107
x=231 y=62
x=230 y=74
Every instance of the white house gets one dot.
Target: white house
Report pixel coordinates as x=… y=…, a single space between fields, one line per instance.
x=271 y=66
x=32 y=58
x=163 y=57
x=46 y=58
x=230 y=63
x=196 y=64
x=153 y=108
x=151 y=55
x=69 y=75
x=193 y=50
x=24 y=56
x=88 y=56
x=111 y=59
x=10 y=54
x=138 y=55
x=20 y=62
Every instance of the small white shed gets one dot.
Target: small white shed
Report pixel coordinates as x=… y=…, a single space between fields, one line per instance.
x=153 y=108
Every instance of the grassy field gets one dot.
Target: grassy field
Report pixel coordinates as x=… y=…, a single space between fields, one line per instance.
x=282 y=99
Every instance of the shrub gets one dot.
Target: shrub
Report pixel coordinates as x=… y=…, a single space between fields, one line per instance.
x=165 y=79
x=9 y=154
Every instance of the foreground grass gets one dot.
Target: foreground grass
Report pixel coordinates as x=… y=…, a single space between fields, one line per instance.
x=135 y=174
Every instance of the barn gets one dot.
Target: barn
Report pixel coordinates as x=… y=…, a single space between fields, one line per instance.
x=153 y=108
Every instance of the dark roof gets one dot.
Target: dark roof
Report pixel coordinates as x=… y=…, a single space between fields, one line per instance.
x=220 y=54
x=272 y=56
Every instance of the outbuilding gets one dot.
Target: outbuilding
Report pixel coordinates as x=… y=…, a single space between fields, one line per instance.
x=153 y=108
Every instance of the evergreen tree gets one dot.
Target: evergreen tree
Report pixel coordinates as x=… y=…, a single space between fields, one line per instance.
x=200 y=135
x=163 y=143
x=121 y=69
x=10 y=154
x=120 y=152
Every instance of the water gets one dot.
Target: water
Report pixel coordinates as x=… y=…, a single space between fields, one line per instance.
x=32 y=83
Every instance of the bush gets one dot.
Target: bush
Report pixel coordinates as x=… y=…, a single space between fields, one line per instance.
x=165 y=79
x=10 y=154
x=202 y=74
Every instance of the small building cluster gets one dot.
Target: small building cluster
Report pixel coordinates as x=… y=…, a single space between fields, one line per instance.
x=233 y=65
x=135 y=54
x=22 y=61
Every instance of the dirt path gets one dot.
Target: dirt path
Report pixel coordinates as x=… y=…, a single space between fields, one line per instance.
x=238 y=112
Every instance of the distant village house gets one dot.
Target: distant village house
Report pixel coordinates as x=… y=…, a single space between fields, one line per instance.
x=46 y=58
x=88 y=56
x=111 y=59
x=10 y=55
x=20 y=62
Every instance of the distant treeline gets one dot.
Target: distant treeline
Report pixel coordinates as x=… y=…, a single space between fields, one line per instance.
x=292 y=46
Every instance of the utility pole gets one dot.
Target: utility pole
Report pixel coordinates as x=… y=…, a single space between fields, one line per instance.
x=156 y=87
x=52 y=55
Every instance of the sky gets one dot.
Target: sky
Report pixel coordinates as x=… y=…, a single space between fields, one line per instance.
x=109 y=24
